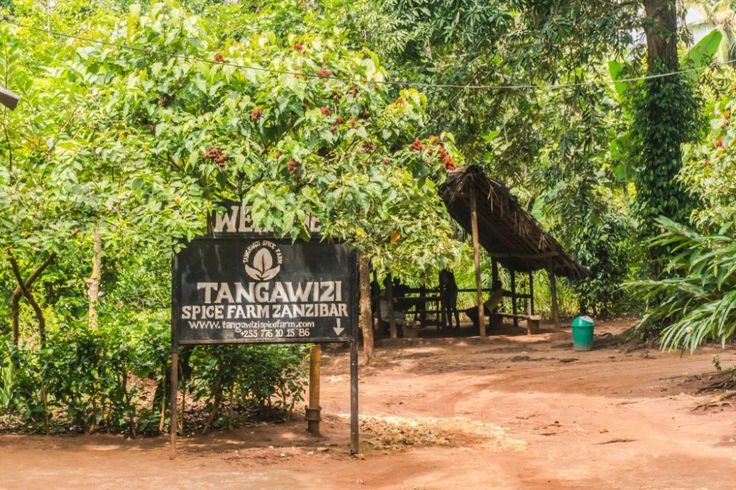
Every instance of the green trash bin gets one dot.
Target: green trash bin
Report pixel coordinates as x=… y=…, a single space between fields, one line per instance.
x=582 y=333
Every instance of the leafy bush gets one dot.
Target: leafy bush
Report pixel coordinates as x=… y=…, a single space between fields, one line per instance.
x=696 y=302
x=603 y=245
x=114 y=379
x=268 y=380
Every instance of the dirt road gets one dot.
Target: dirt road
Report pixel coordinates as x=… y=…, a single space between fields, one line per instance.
x=502 y=412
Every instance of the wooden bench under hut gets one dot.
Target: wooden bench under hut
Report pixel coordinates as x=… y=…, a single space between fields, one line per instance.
x=488 y=211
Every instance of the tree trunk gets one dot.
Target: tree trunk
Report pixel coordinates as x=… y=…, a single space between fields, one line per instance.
x=15 y=314
x=366 y=319
x=18 y=292
x=93 y=293
x=661 y=30
x=31 y=300
x=666 y=116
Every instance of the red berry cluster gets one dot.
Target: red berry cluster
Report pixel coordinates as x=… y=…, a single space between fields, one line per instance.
x=325 y=111
x=400 y=101
x=339 y=120
x=215 y=155
x=446 y=159
x=256 y=114
x=293 y=166
x=219 y=58
x=719 y=143
x=324 y=72
x=298 y=46
x=429 y=145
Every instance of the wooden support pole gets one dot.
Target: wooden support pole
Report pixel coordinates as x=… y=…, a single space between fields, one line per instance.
x=476 y=260
x=423 y=305
x=513 y=298
x=313 y=410
x=354 y=423
x=554 y=307
x=390 y=300
x=174 y=419
x=531 y=293
x=376 y=300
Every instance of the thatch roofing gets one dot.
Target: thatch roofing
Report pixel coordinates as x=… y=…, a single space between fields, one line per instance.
x=506 y=230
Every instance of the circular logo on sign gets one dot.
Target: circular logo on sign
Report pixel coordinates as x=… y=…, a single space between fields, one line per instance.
x=262 y=260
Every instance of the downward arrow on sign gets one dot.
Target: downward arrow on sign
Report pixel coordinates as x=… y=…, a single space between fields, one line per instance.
x=338 y=329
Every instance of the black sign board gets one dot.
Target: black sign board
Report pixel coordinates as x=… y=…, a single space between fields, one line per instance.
x=241 y=285
x=236 y=290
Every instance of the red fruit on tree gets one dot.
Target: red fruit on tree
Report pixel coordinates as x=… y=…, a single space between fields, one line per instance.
x=293 y=166
x=339 y=120
x=256 y=114
x=219 y=58
x=324 y=72
x=416 y=145
x=719 y=143
x=298 y=46
x=325 y=111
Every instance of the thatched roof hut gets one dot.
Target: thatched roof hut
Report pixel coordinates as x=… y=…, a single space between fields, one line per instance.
x=488 y=211
x=505 y=229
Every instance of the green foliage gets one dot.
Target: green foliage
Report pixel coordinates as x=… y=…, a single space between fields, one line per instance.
x=86 y=380
x=697 y=301
x=603 y=244
x=709 y=171
x=267 y=379
x=136 y=139
x=701 y=54
x=312 y=130
x=667 y=114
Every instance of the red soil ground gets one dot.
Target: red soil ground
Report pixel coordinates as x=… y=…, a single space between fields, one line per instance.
x=502 y=412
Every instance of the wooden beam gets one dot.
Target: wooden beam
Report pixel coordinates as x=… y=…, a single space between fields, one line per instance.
x=513 y=297
x=554 y=307
x=476 y=260
x=538 y=256
x=390 y=301
x=531 y=293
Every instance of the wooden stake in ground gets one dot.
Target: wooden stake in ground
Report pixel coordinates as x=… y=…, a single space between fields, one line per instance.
x=530 y=305
x=173 y=424
x=313 y=410
x=390 y=300
x=513 y=298
x=553 y=293
x=476 y=260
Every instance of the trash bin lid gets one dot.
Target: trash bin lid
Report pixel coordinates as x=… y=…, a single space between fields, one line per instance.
x=582 y=321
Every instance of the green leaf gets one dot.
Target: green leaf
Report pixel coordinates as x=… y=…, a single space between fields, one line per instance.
x=700 y=55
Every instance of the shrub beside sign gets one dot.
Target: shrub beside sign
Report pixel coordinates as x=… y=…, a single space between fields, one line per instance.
x=238 y=290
